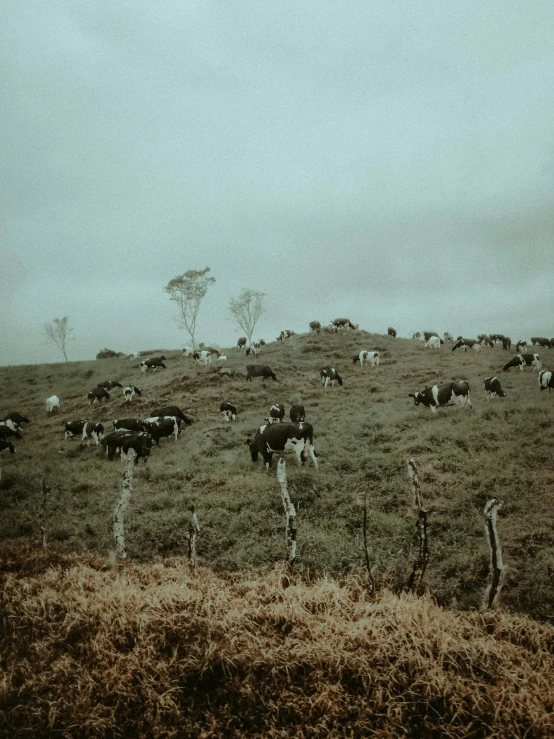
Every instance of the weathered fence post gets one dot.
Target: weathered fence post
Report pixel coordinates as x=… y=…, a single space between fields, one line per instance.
x=290 y=512
x=413 y=476
x=490 y=512
x=370 y=580
x=42 y=514
x=194 y=530
x=420 y=565
x=121 y=505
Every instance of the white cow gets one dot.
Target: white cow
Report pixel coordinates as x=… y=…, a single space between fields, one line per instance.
x=222 y=358
x=433 y=342
x=52 y=404
x=203 y=357
x=365 y=356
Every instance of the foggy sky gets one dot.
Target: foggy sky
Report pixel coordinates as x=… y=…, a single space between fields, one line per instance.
x=391 y=162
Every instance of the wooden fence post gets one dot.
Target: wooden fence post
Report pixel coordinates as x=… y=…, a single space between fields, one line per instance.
x=42 y=514
x=121 y=505
x=490 y=512
x=413 y=476
x=194 y=530
x=420 y=565
x=290 y=512
x=370 y=580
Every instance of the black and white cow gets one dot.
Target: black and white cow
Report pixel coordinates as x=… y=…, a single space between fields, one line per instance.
x=153 y=363
x=546 y=380
x=228 y=411
x=141 y=443
x=342 y=323
x=448 y=336
x=315 y=326
x=124 y=440
x=161 y=426
x=450 y=393
x=524 y=360
x=285 y=334
x=16 y=419
x=416 y=335
x=276 y=413
x=278 y=438
x=10 y=424
x=259 y=370
x=6 y=445
x=130 y=391
x=427 y=335
x=6 y=432
x=297 y=413
x=97 y=394
x=365 y=356
x=109 y=385
x=172 y=410
x=93 y=431
x=203 y=357
x=254 y=349
x=521 y=346
x=242 y=342
x=506 y=343
x=391 y=332
x=465 y=344
x=540 y=340
x=74 y=428
x=485 y=339
x=493 y=388
x=128 y=424
x=329 y=376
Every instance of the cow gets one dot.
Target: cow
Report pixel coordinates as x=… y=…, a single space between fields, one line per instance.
x=493 y=388
x=540 y=340
x=433 y=342
x=276 y=413
x=153 y=363
x=329 y=376
x=211 y=350
x=524 y=360
x=96 y=395
x=94 y=431
x=6 y=431
x=521 y=346
x=253 y=349
x=120 y=440
x=485 y=339
x=448 y=336
x=172 y=410
x=74 y=428
x=546 y=380
x=465 y=344
x=228 y=411
x=450 y=393
x=315 y=326
x=141 y=443
x=285 y=334
x=497 y=339
x=242 y=342
x=506 y=343
x=6 y=445
x=277 y=438
x=391 y=332
x=128 y=424
x=365 y=356
x=427 y=335
x=204 y=357
x=109 y=385
x=188 y=351
x=52 y=404
x=16 y=418
x=130 y=391
x=416 y=335
x=338 y=323
x=259 y=370
x=162 y=426
x=297 y=413
x=10 y=424
x=222 y=358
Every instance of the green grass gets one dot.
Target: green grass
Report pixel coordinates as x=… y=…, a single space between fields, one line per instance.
x=364 y=433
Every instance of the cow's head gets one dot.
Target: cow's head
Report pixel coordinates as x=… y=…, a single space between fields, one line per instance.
x=253 y=450
x=416 y=397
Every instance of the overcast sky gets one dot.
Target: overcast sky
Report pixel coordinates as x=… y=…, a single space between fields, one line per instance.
x=390 y=162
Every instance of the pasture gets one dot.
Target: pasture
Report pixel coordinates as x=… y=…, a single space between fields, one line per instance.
x=364 y=433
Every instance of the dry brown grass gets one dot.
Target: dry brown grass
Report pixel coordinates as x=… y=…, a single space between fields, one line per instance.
x=151 y=651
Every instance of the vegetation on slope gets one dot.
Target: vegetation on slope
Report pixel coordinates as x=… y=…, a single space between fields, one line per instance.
x=364 y=433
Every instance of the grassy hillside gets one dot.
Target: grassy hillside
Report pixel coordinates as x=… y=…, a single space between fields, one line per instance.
x=364 y=433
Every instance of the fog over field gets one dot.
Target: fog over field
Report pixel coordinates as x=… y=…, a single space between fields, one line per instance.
x=389 y=162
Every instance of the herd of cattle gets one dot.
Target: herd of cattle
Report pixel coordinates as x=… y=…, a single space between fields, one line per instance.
x=274 y=436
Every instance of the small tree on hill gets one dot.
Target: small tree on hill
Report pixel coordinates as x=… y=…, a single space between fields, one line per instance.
x=59 y=333
x=246 y=309
x=188 y=290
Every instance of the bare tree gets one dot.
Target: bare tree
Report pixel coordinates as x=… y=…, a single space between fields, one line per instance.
x=246 y=310
x=59 y=333
x=188 y=290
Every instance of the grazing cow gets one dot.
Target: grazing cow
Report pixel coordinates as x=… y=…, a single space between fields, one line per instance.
x=506 y=343
x=228 y=411
x=6 y=445
x=497 y=339
x=254 y=349
x=16 y=418
x=338 y=323
x=74 y=428
x=6 y=431
x=130 y=391
x=242 y=342
x=281 y=437
x=259 y=370
x=96 y=395
x=134 y=355
x=10 y=424
x=329 y=375
x=297 y=413
x=540 y=340
x=188 y=351
x=222 y=358
x=172 y=410
x=162 y=426
x=485 y=339
x=465 y=344
x=450 y=393
x=276 y=413
x=391 y=332
x=448 y=336
x=117 y=439
x=52 y=404
x=94 y=431
x=128 y=424
x=285 y=334
x=493 y=388
x=109 y=385
x=433 y=342
x=521 y=345
x=153 y=363
x=546 y=380
x=315 y=326
x=427 y=335
x=141 y=443
x=365 y=356
x=204 y=357
x=416 y=335
x=524 y=360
